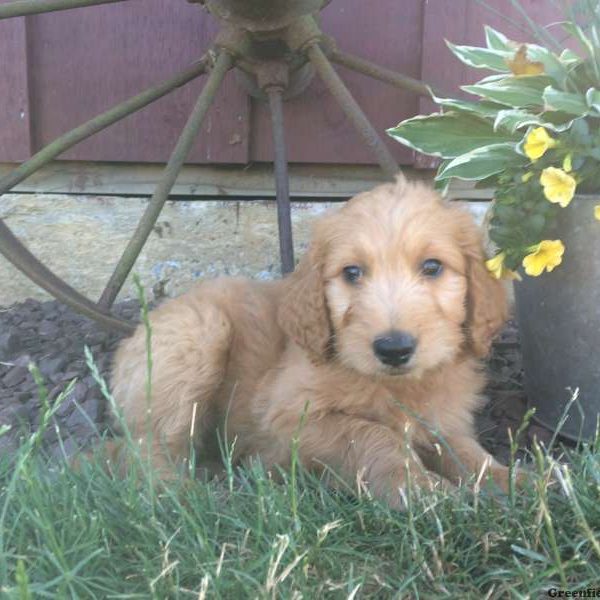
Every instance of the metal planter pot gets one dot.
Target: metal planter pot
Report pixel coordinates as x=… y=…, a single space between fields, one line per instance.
x=559 y=321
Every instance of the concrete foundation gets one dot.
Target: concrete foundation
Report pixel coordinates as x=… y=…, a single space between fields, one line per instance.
x=82 y=237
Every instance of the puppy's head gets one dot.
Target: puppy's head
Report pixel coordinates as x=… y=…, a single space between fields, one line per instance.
x=393 y=284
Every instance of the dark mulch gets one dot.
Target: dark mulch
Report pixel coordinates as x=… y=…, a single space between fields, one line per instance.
x=53 y=337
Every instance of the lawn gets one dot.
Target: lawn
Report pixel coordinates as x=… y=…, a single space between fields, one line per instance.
x=68 y=533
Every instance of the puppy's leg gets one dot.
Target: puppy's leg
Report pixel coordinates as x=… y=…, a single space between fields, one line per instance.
x=458 y=457
x=190 y=343
x=359 y=449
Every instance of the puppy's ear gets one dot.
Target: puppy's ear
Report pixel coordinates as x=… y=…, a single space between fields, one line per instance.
x=487 y=304
x=303 y=314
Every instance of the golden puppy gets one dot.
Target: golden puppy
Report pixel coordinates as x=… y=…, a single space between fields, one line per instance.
x=368 y=353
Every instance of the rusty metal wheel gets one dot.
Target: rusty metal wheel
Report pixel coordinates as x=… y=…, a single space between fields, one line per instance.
x=276 y=46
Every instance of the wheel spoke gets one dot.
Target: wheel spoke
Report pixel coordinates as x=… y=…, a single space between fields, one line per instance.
x=284 y=220
x=21 y=8
x=353 y=111
x=223 y=63
x=366 y=67
x=27 y=263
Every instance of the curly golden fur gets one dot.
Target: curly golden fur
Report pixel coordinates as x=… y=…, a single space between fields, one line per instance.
x=265 y=363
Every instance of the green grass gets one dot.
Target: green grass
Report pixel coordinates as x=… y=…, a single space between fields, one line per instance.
x=86 y=534
x=83 y=533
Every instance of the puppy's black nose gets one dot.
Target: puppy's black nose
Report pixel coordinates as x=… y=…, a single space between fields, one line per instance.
x=395 y=348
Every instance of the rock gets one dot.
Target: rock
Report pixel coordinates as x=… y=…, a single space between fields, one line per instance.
x=70 y=375
x=15 y=376
x=76 y=397
x=65 y=409
x=65 y=450
x=23 y=396
x=95 y=338
x=30 y=385
x=75 y=348
x=89 y=381
x=52 y=432
x=10 y=345
x=49 y=308
x=17 y=319
x=82 y=415
x=23 y=360
x=8 y=443
x=14 y=415
x=55 y=392
x=52 y=365
x=79 y=392
x=48 y=329
x=93 y=407
x=57 y=378
x=515 y=408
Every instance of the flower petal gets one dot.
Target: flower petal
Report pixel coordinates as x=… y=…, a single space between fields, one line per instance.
x=544 y=257
x=521 y=65
x=495 y=265
x=537 y=143
x=559 y=187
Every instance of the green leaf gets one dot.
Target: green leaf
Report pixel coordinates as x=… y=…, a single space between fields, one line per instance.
x=481 y=108
x=496 y=40
x=574 y=104
x=553 y=66
x=481 y=162
x=447 y=135
x=441 y=185
x=580 y=132
x=493 y=78
x=557 y=120
x=592 y=98
x=579 y=34
x=481 y=58
x=568 y=57
x=518 y=92
x=515 y=118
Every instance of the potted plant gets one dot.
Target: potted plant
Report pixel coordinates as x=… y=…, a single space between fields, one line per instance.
x=532 y=132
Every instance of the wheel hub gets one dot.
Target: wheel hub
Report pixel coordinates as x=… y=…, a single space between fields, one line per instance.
x=262 y=16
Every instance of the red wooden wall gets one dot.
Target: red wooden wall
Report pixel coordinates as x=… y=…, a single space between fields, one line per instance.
x=60 y=69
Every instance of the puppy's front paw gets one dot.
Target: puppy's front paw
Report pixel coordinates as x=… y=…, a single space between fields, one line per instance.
x=500 y=476
x=417 y=484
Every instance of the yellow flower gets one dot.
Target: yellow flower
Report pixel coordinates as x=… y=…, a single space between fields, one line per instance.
x=496 y=265
x=497 y=268
x=559 y=187
x=544 y=256
x=521 y=65
x=597 y=211
x=537 y=142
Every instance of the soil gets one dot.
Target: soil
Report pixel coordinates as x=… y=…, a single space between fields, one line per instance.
x=53 y=337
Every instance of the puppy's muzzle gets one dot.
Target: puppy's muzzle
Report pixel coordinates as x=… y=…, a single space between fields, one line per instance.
x=395 y=348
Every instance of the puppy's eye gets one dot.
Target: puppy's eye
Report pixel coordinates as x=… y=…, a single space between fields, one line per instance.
x=352 y=273
x=432 y=267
